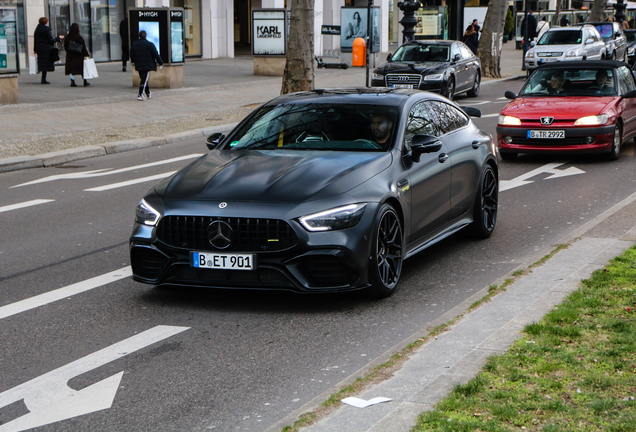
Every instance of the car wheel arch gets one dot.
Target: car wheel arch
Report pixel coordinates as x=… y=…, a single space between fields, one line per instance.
x=397 y=206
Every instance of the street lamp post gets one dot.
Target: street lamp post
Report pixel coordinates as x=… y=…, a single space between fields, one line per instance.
x=620 y=11
x=409 y=21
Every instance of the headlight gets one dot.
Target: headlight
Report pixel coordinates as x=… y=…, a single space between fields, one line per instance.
x=334 y=219
x=529 y=53
x=378 y=76
x=571 y=53
x=435 y=77
x=508 y=120
x=591 y=120
x=146 y=215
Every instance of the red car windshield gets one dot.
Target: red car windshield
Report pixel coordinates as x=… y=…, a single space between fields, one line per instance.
x=571 y=82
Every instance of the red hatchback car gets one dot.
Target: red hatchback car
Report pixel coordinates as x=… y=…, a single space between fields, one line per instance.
x=578 y=106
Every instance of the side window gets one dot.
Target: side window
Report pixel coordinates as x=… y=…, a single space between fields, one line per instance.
x=466 y=53
x=422 y=121
x=625 y=80
x=450 y=117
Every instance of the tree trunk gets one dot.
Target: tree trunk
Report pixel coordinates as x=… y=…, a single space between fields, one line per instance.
x=490 y=43
x=559 y=3
x=299 y=68
x=598 y=11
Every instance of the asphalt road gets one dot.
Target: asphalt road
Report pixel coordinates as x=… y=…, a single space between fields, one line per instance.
x=221 y=360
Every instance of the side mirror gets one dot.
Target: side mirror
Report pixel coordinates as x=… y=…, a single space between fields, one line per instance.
x=510 y=95
x=471 y=111
x=630 y=94
x=214 y=140
x=589 y=41
x=424 y=144
x=389 y=57
x=457 y=57
x=532 y=44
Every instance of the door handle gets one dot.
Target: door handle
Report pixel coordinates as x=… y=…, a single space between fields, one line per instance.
x=476 y=144
x=443 y=158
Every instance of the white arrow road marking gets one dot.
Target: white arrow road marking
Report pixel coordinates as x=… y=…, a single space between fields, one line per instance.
x=360 y=403
x=106 y=171
x=476 y=103
x=24 y=204
x=64 y=292
x=129 y=182
x=548 y=168
x=49 y=398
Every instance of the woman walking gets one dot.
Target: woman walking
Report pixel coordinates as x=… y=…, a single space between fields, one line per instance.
x=75 y=53
x=43 y=47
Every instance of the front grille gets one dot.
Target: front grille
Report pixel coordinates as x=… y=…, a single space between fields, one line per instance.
x=147 y=263
x=403 y=79
x=549 y=54
x=548 y=142
x=250 y=235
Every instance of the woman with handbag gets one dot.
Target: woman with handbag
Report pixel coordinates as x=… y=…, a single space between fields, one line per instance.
x=43 y=42
x=75 y=53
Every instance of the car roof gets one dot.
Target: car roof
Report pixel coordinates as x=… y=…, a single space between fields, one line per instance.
x=354 y=95
x=598 y=64
x=430 y=41
x=598 y=23
x=574 y=27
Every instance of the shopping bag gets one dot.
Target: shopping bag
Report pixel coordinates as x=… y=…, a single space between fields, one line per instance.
x=90 y=71
x=33 y=65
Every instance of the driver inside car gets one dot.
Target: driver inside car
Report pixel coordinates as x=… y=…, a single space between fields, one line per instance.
x=556 y=85
x=381 y=127
x=602 y=81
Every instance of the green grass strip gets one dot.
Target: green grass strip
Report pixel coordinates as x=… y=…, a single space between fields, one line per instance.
x=573 y=370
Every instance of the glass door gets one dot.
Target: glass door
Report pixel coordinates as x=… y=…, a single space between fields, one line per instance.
x=60 y=20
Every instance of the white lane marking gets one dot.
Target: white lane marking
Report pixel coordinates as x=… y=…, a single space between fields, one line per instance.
x=50 y=399
x=490 y=115
x=64 y=292
x=476 y=103
x=129 y=182
x=548 y=168
x=502 y=98
x=24 y=204
x=106 y=171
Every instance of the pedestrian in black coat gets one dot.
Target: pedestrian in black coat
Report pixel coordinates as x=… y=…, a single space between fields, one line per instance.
x=125 y=47
x=532 y=29
x=43 y=42
x=144 y=55
x=75 y=61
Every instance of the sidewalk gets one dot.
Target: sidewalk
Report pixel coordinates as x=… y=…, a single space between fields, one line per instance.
x=216 y=93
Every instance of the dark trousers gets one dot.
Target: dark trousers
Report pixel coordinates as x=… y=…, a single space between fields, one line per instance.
x=143 y=82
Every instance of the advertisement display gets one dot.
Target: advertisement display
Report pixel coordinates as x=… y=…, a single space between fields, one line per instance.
x=155 y=23
x=177 y=41
x=354 y=25
x=9 y=62
x=152 y=32
x=270 y=32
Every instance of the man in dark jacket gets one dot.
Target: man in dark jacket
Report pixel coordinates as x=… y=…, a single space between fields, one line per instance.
x=43 y=42
x=532 y=30
x=144 y=55
x=125 y=48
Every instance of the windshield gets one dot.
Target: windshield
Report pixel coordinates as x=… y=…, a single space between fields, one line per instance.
x=312 y=126
x=631 y=37
x=571 y=82
x=565 y=37
x=605 y=30
x=422 y=53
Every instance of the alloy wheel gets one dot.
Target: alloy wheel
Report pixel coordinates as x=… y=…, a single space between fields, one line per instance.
x=389 y=249
x=489 y=200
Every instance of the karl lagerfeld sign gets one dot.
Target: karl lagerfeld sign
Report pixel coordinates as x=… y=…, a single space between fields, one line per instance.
x=269 y=27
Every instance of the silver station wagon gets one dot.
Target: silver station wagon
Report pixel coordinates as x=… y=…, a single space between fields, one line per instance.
x=566 y=44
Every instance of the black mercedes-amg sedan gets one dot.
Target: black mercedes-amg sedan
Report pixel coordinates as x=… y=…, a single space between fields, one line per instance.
x=440 y=66
x=320 y=191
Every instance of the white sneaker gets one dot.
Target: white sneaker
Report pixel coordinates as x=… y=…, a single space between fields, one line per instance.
x=149 y=95
x=141 y=98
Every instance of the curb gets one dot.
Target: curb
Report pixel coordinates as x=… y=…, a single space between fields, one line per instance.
x=70 y=155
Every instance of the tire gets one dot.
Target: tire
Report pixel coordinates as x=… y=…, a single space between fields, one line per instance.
x=508 y=156
x=387 y=253
x=617 y=142
x=474 y=92
x=450 y=88
x=486 y=201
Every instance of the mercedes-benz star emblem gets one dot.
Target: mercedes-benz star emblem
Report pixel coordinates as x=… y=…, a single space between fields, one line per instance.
x=220 y=234
x=223 y=205
x=547 y=120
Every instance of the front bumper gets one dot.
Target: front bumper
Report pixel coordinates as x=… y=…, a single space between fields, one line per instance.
x=431 y=86
x=535 y=62
x=601 y=138
x=329 y=261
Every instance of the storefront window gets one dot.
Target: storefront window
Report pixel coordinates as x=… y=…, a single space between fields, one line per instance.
x=192 y=25
x=22 y=40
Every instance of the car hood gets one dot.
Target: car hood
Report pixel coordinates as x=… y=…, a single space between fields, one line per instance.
x=419 y=68
x=558 y=107
x=282 y=176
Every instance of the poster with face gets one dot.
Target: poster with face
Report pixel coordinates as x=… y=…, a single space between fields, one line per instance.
x=353 y=24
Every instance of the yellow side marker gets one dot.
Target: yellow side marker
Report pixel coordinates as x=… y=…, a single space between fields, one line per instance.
x=280 y=136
